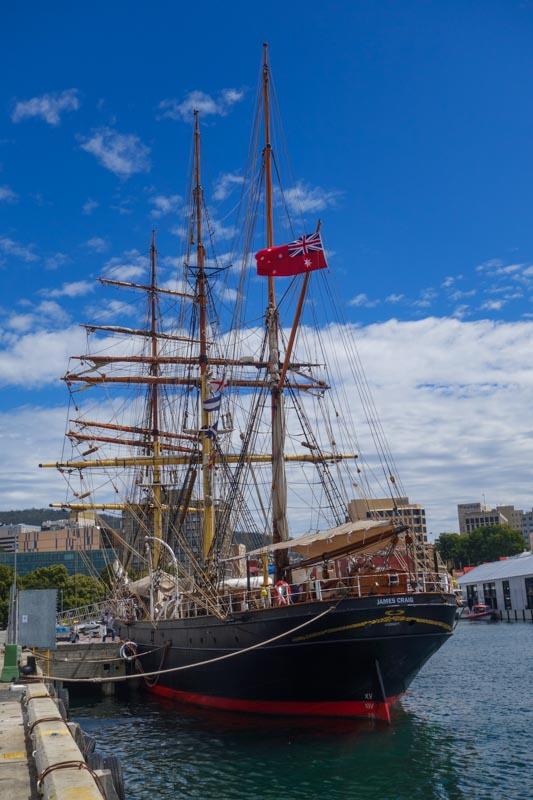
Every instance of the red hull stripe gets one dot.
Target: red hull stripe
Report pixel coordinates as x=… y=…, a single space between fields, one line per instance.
x=339 y=708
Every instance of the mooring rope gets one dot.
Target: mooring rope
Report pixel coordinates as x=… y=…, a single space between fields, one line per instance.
x=118 y=678
x=67 y=660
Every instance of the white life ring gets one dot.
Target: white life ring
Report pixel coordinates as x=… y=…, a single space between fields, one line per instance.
x=125 y=647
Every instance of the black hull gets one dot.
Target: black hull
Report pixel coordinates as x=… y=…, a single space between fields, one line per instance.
x=355 y=660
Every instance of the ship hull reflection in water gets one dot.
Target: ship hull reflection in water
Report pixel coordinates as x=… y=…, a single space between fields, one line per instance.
x=439 y=746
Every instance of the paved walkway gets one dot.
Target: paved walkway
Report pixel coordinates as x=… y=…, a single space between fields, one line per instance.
x=18 y=780
x=35 y=738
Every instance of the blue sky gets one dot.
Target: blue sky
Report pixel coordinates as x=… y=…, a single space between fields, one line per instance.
x=410 y=130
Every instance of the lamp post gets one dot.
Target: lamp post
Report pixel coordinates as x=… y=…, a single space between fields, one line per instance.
x=14 y=603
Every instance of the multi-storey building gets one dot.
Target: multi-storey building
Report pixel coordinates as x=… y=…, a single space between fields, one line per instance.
x=10 y=535
x=478 y=515
x=400 y=509
x=80 y=545
x=527 y=528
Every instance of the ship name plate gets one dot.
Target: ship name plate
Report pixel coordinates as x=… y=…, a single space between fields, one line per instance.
x=393 y=601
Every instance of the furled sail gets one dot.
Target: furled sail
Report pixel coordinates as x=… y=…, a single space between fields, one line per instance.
x=366 y=536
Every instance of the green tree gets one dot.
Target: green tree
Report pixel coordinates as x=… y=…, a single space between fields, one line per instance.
x=487 y=543
x=76 y=590
x=450 y=547
x=500 y=540
x=82 y=590
x=6 y=580
x=53 y=577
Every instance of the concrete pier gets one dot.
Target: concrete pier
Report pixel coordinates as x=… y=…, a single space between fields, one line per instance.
x=18 y=777
x=40 y=755
x=87 y=659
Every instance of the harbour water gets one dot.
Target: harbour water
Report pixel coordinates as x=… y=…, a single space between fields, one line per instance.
x=463 y=732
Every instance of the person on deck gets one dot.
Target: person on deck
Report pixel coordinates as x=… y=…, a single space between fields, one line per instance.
x=108 y=621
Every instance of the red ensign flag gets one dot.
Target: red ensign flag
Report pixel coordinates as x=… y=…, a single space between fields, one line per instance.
x=303 y=255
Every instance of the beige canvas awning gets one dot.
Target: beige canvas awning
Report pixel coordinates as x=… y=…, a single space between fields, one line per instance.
x=364 y=536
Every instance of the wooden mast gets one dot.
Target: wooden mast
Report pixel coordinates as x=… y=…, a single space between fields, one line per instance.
x=280 y=530
x=207 y=475
x=154 y=371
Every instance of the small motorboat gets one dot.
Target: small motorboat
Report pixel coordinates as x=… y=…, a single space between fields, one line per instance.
x=483 y=613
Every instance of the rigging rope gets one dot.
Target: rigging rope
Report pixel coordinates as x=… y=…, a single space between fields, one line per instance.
x=118 y=678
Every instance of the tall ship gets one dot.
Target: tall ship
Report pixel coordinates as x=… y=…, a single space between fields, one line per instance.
x=227 y=432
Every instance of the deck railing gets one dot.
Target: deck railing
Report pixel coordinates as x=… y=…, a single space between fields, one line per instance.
x=240 y=599
x=237 y=600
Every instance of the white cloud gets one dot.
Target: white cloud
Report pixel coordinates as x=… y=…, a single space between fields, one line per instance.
x=221 y=231
x=227 y=294
x=129 y=266
x=426 y=298
x=173 y=262
x=363 y=301
x=110 y=310
x=123 y=154
x=31 y=435
x=304 y=198
x=20 y=322
x=38 y=357
x=500 y=289
x=46 y=314
x=460 y=295
x=225 y=184
x=74 y=289
x=7 y=195
x=461 y=311
x=124 y=205
x=454 y=399
x=202 y=102
x=490 y=265
x=97 y=244
x=48 y=107
x=231 y=96
x=55 y=261
x=89 y=206
x=498 y=269
x=12 y=248
x=493 y=305
x=164 y=204
x=509 y=269
x=179 y=230
x=176 y=285
x=394 y=298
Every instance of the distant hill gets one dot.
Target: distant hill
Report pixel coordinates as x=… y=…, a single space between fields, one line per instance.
x=36 y=516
